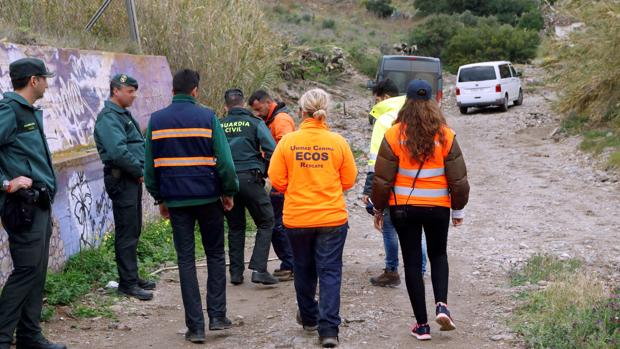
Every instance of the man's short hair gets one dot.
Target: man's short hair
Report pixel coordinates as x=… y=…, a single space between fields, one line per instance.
x=185 y=81
x=114 y=84
x=20 y=83
x=385 y=87
x=233 y=97
x=259 y=95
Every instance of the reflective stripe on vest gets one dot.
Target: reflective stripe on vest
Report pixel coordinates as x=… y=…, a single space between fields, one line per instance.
x=427 y=193
x=191 y=161
x=424 y=173
x=182 y=133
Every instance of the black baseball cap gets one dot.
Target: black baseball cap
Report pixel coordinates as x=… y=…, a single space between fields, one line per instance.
x=419 y=90
x=27 y=67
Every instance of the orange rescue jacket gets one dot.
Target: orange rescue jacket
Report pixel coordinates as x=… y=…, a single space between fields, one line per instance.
x=313 y=167
x=279 y=121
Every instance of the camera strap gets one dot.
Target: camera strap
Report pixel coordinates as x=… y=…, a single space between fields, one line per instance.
x=415 y=179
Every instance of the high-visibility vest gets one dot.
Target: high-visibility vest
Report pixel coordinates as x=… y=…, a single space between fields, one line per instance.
x=431 y=187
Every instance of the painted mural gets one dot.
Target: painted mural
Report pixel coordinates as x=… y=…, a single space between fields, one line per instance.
x=82 y=211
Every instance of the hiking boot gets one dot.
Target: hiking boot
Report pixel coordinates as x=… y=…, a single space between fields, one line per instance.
x=147 y=284
x=329 y=342
x=421 y=332
x=263 y=278
x=443 y=317
x=236 y=279
x=284 y=275
x=195 y=336
x=40 y=343
x=307 y=328
x=386 y=279
x=136 y=292
x=219 y=323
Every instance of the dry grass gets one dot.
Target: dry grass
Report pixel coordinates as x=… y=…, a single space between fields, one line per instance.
x=228 y=41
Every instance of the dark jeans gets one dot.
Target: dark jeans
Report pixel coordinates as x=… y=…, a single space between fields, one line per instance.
x=22 y=296
x=317 y=253
x=252 y=195
x=279 y=239
x=435 y=221
x=126 y=196
x=210 y=219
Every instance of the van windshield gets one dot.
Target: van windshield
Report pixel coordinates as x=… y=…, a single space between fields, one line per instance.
x=402 y=79
x=477 y=74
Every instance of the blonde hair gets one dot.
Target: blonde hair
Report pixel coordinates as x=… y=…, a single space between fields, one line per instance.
x=315 y=103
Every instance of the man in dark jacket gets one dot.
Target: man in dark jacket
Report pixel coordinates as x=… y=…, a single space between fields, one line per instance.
x=251 y=145
x=28 y=188
x=189 y=171
x=121 y=149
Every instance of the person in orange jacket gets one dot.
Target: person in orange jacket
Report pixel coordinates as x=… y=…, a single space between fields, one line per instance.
x=277 y=118
x=313 y=167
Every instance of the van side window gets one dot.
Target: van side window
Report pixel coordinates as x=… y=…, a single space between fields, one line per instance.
x=513 y=71
x=504 y=71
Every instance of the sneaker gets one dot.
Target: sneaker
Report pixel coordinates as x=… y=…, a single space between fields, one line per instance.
x=329 y=342
x=284 y=275
x=386 y=279
x=421 y=332
x=307 y=328
x=195 y=336
x=443 y=318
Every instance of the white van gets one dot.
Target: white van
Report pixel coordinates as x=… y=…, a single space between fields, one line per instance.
x=487 y=84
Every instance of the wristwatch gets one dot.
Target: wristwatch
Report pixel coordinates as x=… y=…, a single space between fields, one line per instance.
x=5 y=185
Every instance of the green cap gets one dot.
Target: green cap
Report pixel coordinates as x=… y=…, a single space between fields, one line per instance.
x=27 y=67
x=124 y=79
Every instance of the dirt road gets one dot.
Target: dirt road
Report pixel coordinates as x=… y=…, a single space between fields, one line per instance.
x=530 y=194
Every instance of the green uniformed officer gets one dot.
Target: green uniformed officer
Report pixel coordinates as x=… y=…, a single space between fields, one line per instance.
x=28 y=188
x=121 y=149
x=251 y=145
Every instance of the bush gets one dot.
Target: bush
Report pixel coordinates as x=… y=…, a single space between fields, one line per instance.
x=532 y=20
x=501 y=8
x=488 y=42
x=364 y=62
x=381 y=8
x=328 y=24
x=433 y=36
x=201 y=34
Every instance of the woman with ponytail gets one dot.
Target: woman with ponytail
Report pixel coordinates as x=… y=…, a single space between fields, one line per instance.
x=313 y=167
x=420 y=175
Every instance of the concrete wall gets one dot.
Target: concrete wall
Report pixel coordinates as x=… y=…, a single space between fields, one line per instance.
x=82 y=211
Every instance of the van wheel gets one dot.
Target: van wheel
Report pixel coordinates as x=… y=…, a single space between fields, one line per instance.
x=519 y=100
x=463 y=110
x=504 y=107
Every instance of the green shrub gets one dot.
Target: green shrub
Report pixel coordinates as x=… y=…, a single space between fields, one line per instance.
x=328 y=24
x=506 y=10
x=363 y=61
x=532 y=20
x=433 y=36
x=381 y=8
x=490 y=43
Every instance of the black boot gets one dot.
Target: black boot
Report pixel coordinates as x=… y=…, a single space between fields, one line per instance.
x=263 y=278
x=136 y=292
x=236 y=279
x=219 y=323
x=195 y=336
x=41 y=343
x=147 y=284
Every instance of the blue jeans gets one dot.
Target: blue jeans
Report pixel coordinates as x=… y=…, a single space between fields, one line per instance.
x=390 y=242
x=279 y=240
x=317 y=253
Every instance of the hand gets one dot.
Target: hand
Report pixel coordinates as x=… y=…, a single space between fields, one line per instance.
x=457 y=221
x=378 y=221
x=20 y=183
x=228 y=203
x=365 y=199
x=163 y=211
x=141 y=180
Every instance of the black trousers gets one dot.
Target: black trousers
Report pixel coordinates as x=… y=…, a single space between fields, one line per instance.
x=126 y=195
x=22 y=296
x=435 y=221
x=210 y=220
x=252 y=196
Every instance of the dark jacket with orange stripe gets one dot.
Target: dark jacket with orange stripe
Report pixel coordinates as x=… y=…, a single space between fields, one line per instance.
x=188 y=160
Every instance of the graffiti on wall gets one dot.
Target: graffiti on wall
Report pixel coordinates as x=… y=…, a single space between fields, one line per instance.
x=82 y=211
